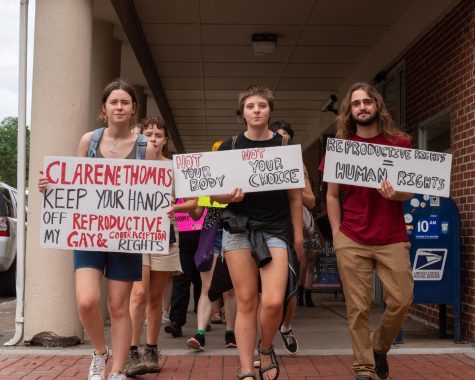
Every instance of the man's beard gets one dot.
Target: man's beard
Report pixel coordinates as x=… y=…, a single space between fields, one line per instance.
x=365 y=122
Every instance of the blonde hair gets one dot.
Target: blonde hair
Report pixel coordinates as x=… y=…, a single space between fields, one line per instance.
x=346 y=126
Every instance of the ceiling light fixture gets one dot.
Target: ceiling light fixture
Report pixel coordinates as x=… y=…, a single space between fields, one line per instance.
x=263 y=43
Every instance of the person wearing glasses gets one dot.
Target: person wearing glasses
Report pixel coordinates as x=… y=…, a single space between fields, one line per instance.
x=369 y=234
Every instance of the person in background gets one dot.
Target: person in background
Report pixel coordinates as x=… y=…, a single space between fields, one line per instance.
x=182 y=283
x=115 y=141
x=306 y=265
x=147 y=294
x=198 y=341
x=369 y=234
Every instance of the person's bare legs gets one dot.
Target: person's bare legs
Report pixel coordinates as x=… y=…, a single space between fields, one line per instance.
x=158 y=282
x=167 y=295
x=88 y=293
x=274 y=278
x=138 y=302
x=229 y=299
x=118 y=298
x=243 y=271
x=216 y=315
x=290 y=312
x=204 y=304
x=310 y=271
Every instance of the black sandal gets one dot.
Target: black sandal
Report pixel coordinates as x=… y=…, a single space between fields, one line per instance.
x=243 y=375
x=272 y=365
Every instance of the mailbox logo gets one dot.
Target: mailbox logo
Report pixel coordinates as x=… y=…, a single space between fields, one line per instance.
x=429 y=264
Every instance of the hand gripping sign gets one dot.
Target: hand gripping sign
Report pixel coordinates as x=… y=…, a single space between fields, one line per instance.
x=408 y=170
x=106 y=205
x=257 y=169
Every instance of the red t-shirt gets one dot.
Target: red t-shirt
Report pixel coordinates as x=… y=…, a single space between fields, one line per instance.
x=367 y=217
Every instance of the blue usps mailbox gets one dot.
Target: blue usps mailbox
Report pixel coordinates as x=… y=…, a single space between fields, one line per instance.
x=433 y=228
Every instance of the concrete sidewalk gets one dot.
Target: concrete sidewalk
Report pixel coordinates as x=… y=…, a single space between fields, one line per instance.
x=324 y=351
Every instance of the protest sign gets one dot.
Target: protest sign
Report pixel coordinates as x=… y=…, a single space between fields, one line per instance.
x=106 y=205
x=408 y=170
x=257 y=169
x=186 y=223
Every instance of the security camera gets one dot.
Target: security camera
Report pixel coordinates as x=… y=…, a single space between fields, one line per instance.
x=329 y=104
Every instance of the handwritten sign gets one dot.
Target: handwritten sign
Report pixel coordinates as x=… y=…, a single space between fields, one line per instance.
x=106 y=205
x=186 y=223
x=408 y=170
x=257 y=169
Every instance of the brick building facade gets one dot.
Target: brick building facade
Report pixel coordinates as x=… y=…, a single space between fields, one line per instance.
x=439 y=77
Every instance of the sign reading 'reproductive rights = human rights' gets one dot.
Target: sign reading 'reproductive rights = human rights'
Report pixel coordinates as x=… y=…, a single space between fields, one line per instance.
x=409 y=170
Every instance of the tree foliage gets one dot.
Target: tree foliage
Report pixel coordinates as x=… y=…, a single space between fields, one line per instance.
x=9 y=151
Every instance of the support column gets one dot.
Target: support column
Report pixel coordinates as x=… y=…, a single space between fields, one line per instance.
x=142 y=101
x=105 y=66
x=60 y=115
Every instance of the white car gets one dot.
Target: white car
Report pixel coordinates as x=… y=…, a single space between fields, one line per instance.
x=8 y=233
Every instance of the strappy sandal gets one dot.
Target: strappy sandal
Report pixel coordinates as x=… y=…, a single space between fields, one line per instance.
x=243 y=375
x=272 y=365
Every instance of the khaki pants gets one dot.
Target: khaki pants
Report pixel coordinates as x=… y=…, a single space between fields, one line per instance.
x=356 y=263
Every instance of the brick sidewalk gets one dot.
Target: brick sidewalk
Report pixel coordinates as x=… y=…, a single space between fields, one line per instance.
x=198 y=367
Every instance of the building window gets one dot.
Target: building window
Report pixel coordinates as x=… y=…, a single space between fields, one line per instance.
x=434 y=133
x=392 y=88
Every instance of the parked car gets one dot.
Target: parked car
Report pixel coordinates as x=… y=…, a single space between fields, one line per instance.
x=8 y=233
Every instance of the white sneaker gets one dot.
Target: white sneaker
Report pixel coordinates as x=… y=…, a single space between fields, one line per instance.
x=166 y=318
x=117 y=376
x=97 y=370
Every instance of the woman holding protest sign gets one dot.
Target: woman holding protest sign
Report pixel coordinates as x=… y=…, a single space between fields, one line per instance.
x=116 y=141
x=147 y=294
x=271 y=217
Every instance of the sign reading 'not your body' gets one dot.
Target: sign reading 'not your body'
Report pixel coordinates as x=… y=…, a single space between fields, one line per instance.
x=408 y=170
x=256 y=169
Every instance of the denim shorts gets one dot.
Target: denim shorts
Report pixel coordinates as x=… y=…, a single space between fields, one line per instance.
x=241 y=241
x=115 y=265
x=218 y=242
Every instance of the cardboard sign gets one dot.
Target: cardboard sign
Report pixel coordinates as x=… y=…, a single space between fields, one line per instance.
x=257 y=169
x=106 y=205
x=408 y=170
x=186 y=223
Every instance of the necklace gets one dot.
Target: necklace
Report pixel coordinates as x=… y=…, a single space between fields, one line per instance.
x=115 y=145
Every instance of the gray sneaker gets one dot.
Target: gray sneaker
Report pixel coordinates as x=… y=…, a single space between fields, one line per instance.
x=150 y=359
x=134 y=365
x=97 y=370
x=117 y=376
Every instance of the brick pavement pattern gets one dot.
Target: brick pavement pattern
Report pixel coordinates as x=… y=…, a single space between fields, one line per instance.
x=214 y=367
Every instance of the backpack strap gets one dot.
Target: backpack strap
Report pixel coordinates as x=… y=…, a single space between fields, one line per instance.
x=140 y=150
x=285 y=141
x=141 y=147
x=234 y=142
x=95 y=138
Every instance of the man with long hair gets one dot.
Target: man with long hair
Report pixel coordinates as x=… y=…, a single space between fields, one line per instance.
x=369 y=234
